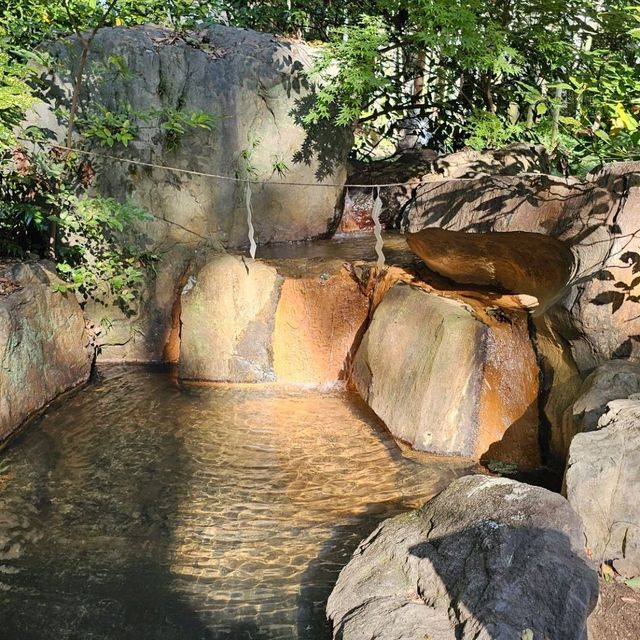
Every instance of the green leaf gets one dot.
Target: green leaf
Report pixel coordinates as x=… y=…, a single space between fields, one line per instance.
x=634 y=583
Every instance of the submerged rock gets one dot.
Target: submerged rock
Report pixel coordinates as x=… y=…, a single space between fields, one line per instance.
x=45 y=348
x=602 y=483
x=446 y=382
x=487 y=559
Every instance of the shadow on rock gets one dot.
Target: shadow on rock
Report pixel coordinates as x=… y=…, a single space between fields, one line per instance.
x=487 y=559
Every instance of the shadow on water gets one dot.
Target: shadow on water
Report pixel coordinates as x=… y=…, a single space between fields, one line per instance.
x=84 y=557
x=322 y=573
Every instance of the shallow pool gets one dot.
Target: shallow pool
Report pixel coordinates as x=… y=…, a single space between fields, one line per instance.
x=136 y=508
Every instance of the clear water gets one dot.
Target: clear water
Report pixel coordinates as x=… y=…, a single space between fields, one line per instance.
x=139 y=509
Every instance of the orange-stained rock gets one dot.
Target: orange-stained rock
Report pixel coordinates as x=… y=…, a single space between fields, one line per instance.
x=508 y=418
x=446 y=381
x=578 y=213
x=514 y=262
x=560 y=381
x=598 y=219
x=259 y=321
x=318 y=321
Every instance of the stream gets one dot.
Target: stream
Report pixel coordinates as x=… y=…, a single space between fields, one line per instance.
x=140 y=508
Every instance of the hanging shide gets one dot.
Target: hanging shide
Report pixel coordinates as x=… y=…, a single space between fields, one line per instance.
x=377 y=227
x=251 y=233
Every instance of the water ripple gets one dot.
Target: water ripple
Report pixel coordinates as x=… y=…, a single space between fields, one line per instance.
x=138 y=509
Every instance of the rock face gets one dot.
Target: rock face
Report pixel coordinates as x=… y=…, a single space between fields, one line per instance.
x=572 y=211
x=253 y=87
x=250 y=321
x=613 y=380
x=445 y=382
x=596 y=219
x=44 y=346
x=560 y=381
x=411 y=168
x=249 y=83
x=228 y=311
x=606 y=307
x=487 y=559
x=602 y=482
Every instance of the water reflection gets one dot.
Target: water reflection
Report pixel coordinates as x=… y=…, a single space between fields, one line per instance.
x=139 y=509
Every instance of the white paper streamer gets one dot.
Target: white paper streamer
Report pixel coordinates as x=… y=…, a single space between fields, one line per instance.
x=252 y=242
x=377 y=227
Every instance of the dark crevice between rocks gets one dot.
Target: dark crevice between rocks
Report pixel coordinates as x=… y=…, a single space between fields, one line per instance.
x=549 y=476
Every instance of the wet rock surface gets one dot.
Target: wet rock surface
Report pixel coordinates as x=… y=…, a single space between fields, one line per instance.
x=422 y=354
x=560 y=379
x=270 y=321
x=227 y=314
x=515 y=262
x=44 y=345
x=602 y=482
x=318 y=323
x=488 y=559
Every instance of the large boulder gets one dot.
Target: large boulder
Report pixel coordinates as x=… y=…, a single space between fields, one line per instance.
x=45 y=348
x=446 y=381
x=487 y=559
x=318 y=323
x=515 y=261
x=596 y=219
x=569 y=210
x=261 y=321
x=602 y=483
x=251 y=84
